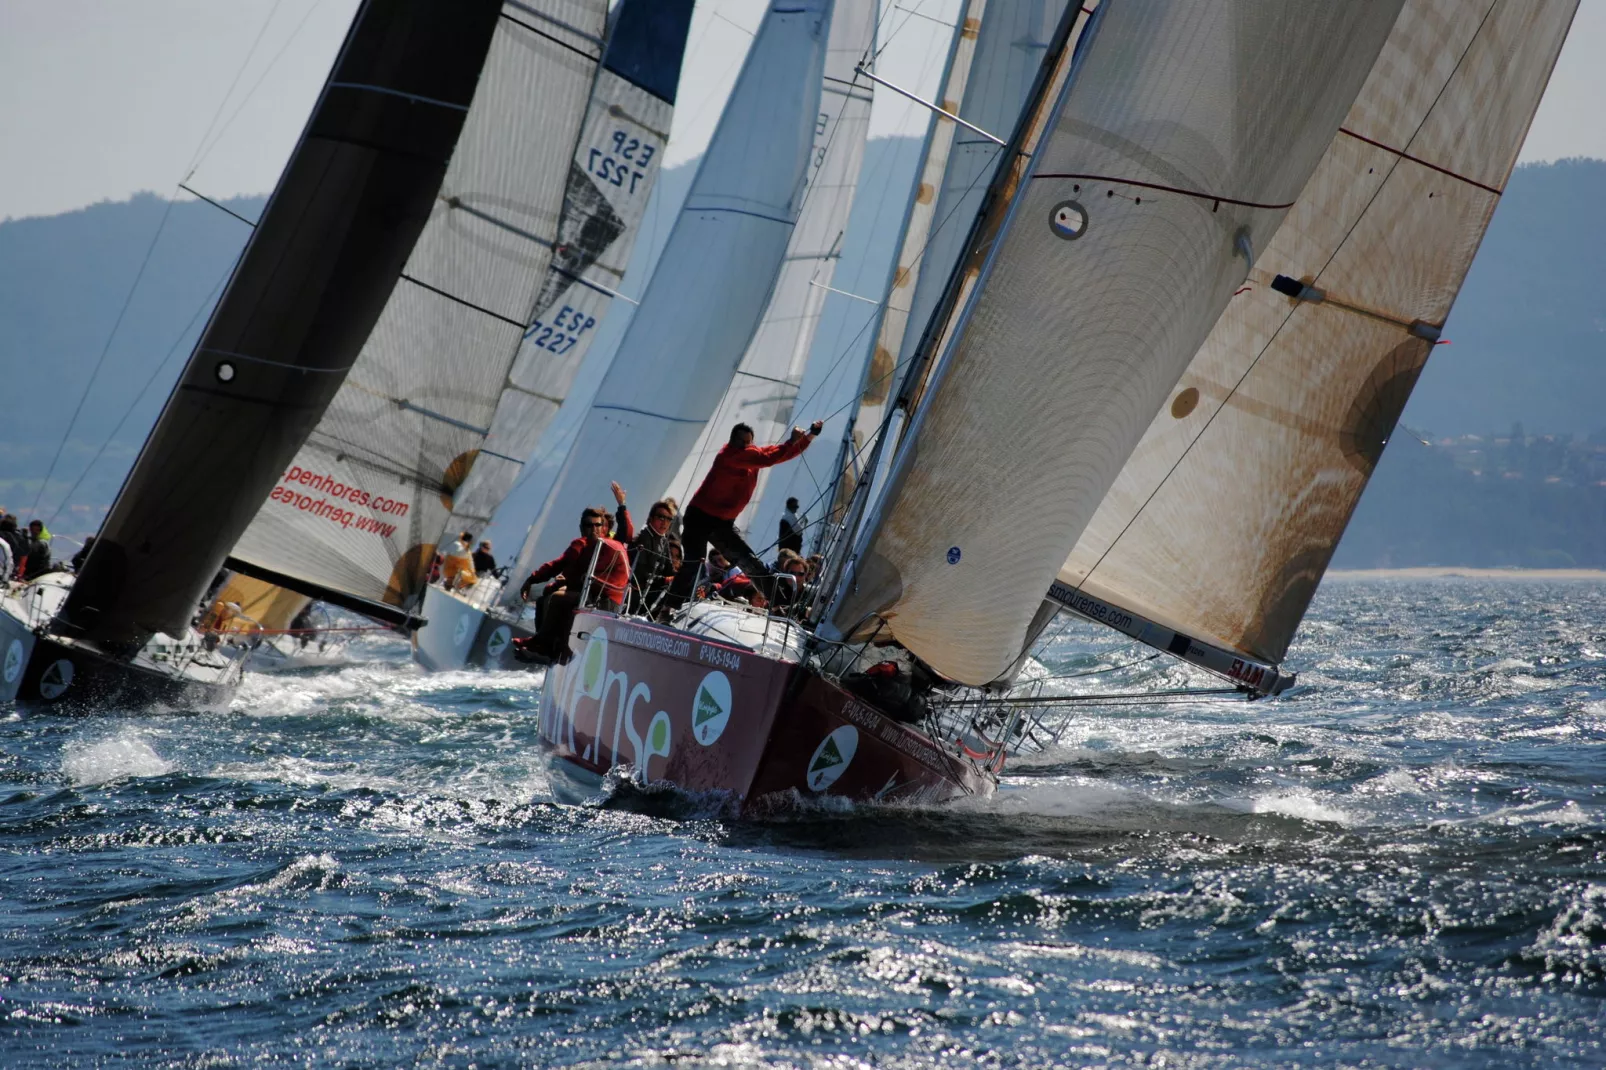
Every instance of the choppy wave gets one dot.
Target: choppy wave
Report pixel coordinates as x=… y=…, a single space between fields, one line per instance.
x=1400 y=863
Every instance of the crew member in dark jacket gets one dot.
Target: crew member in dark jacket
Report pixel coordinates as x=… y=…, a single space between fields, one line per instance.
x=724 y=493
x=38 y=562
x=484 y=563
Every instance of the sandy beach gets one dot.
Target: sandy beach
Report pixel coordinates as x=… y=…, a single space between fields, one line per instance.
x=1455 y=573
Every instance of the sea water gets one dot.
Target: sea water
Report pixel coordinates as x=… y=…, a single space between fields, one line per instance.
x=1400 y=863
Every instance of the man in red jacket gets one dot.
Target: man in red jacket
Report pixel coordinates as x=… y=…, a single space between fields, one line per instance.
x=711 y=514
x=609 y=581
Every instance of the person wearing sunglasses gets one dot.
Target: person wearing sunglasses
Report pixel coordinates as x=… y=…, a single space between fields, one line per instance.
x=556 y=605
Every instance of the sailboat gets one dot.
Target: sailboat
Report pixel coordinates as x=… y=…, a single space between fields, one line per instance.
x=616 y=160
x=734 y=298
x=1336 y=166
x=432 y=422
x=320 y=268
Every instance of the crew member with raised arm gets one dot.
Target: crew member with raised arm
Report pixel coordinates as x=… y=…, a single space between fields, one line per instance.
x=725 y=491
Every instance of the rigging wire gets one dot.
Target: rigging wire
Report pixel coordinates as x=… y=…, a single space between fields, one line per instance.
x=149 y=382
x=133 y=288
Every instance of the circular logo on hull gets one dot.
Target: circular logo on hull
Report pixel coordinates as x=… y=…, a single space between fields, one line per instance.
x=498 y=641
x=460 y=633
x=831 y=757
x=659 y=735
x=14 y=660
x=711 y=709
x=55 y=681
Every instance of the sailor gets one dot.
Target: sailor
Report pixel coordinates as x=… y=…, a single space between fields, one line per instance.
x=7 y=564
x=457 y=567
x=610 y=579
x=724 y=493
x=82 y=555
x=650 y=552
x=483 y=561
x=792 y=525
x=792 y=574
x=37 y=561
x=16 y=542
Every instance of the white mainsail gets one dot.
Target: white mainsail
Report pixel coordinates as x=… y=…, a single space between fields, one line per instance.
x=734 y=287
x=1175 y=149
x=1223 y=521
x=530 y=222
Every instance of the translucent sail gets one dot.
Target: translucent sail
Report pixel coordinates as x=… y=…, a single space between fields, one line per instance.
x=321 y=268
x=525 y=226
x=892 y=315
x=1008 y=48
x=1223 y=521
x=1180 y=141
x=751 y=228
x=614 y=170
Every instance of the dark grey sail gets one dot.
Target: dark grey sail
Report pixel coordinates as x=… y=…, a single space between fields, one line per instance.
x=322 y=263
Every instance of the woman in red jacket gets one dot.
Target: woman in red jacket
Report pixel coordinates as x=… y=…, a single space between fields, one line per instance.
x=610 y=579
x=725 y=491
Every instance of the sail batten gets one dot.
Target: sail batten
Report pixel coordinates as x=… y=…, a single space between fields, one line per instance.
x=1225 y=517
x=1093 y=297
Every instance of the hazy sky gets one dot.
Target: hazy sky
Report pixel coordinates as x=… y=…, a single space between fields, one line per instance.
x=102 y=98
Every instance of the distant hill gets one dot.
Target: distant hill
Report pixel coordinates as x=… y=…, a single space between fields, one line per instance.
x=63 y=282
x=1528 y=333
x=1528 y=344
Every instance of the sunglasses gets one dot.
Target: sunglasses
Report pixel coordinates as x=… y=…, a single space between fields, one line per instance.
x=659 y=516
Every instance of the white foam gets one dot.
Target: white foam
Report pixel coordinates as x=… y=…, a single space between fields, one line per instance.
x=124 y=756
x=1298 y=804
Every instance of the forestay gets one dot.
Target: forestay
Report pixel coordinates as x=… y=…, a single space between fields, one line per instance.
x=1179 y=142
x=1223 y=521
x=782 y=147
x=360 y=509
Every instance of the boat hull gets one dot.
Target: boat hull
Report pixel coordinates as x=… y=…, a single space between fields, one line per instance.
x=676 y=708
x=46 y=671
x=460 y=635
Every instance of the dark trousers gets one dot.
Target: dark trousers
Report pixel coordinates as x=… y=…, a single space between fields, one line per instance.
x=698 y=532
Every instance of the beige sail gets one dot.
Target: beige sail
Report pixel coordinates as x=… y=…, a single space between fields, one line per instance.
x=1186 y=133
x=1223 y=521
x=251 y=605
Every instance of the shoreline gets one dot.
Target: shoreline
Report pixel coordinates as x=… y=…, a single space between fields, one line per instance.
x=1449 y=572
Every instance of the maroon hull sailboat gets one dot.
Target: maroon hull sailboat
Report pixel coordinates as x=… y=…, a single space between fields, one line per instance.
x=708 y=715
x=1149 y=233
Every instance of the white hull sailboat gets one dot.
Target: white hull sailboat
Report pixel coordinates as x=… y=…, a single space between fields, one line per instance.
x=319 y=271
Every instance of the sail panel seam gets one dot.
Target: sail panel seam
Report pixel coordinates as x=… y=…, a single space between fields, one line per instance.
x=1217 y=198
x=644 y=412
x=1402 y=154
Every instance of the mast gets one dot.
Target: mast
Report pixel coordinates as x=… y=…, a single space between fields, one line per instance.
x=1182 y=137
x=504 y=291
x=731 y=291
x=1211 y=542
x=310 y=285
